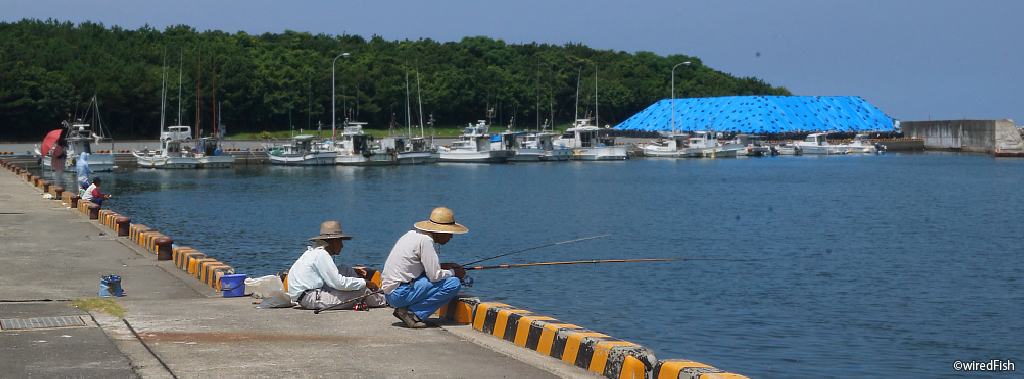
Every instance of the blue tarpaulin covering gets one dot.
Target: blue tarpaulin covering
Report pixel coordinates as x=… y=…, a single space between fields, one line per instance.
x=762 y=114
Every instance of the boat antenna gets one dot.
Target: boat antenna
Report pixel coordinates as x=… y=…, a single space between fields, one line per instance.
x=597 y=110
x=419 y=98
x=576 y=116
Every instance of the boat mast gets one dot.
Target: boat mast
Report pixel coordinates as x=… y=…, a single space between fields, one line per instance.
x=576 y=116
x=419 y=99
x=408 y=125
x=199 y=82
x=181 y=59
x=214 y=131
x=536 y=107
x=163 y=95
x=597 y=110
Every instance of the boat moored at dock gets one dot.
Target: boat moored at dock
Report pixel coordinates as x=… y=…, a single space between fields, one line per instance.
x=474 y=146
x=302 y=151
x=587 y=145
x=174 y=151
x=815 y=143
x=357 y=148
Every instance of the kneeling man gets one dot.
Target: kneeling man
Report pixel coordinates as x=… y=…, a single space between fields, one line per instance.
x=415 y=282
x=316 y=283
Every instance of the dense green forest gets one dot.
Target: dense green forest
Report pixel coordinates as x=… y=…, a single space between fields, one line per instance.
x=50 y=70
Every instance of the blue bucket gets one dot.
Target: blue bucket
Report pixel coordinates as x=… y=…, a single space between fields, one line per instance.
x=233 y=285
x=110 y=286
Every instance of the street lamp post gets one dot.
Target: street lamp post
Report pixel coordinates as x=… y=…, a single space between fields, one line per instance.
x=333 y=118
x=674 y=95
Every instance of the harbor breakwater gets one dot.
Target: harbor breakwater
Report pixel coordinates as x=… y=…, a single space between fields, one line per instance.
x=573 y=344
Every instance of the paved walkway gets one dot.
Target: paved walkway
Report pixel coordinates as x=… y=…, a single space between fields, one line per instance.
x=179 y=327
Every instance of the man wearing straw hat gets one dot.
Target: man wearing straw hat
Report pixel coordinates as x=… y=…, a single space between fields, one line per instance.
x=316 y=283
x=414 y=280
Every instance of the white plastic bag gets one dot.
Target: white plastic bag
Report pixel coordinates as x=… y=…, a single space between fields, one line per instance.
x=270 y=289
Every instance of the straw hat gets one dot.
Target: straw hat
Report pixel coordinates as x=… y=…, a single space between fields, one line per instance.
x=330 y=230
x=441 y=221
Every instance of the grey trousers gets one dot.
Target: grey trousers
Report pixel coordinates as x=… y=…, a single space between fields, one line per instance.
x=326 y=297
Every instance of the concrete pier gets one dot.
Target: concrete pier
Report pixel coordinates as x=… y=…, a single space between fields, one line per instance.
x=178 y=326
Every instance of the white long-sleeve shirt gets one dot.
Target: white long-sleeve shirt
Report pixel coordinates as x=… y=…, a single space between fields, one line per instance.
x=412 y=256
x=314 y=269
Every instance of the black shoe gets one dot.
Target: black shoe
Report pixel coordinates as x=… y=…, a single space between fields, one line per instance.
x=410 y=319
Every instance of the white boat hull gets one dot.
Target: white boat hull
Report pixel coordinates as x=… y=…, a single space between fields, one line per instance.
x=311 y=159
x=606 y=153
x=660 y=152
x=824 y=150
x=166 y=162
x=557 y=155
x=219 y=161
x=97 y=163
x=419 y=157
x=360 y=160
x=494 y=156
x=527 y=155
x=718 y=153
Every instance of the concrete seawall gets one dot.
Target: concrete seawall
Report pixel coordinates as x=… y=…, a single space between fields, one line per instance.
x=178 y=325
x=976 y=136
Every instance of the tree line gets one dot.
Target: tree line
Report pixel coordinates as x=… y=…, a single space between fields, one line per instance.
x=50 y=70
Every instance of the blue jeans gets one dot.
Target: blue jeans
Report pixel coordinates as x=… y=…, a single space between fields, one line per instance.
x=97 y=200
x=423 y=297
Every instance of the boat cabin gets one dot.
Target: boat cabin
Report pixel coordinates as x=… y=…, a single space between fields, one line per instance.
x=354 y=140
x=209 y=146
x=703 y=139
x=816 y=139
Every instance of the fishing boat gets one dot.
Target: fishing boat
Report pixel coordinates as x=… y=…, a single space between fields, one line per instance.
x=412 y=150
x=672 y=146
x=358 y=148
x=84 y=138
x=539 y=146
x=407 y=150
x=211 y=156
x=507 y=141
x=587 y=145
x=815 y=143
x=174 y=151
x=704 y=143
x=863 y=145
x=474 y=146
x=302 y=151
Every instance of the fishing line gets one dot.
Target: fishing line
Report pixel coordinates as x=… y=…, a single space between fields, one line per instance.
x=607 y=261
x=534 y=248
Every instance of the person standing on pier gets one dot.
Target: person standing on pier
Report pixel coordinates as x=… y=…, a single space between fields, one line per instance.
x=316 y=283
x=414 y=280
x=58 y=161
x=82 y=166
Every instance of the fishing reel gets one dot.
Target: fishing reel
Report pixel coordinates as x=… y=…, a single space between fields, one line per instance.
x=467 y=281
x=361 y=306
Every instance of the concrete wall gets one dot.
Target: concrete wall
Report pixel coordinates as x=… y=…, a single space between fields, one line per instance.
x=979 y=136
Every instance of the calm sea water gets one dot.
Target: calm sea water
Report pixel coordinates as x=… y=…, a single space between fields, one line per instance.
x=869 y=266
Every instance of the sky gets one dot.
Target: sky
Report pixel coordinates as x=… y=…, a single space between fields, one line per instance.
x=913 y=59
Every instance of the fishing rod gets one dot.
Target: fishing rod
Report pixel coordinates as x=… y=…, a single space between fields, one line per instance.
x=534 y=248
x=607 y=261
